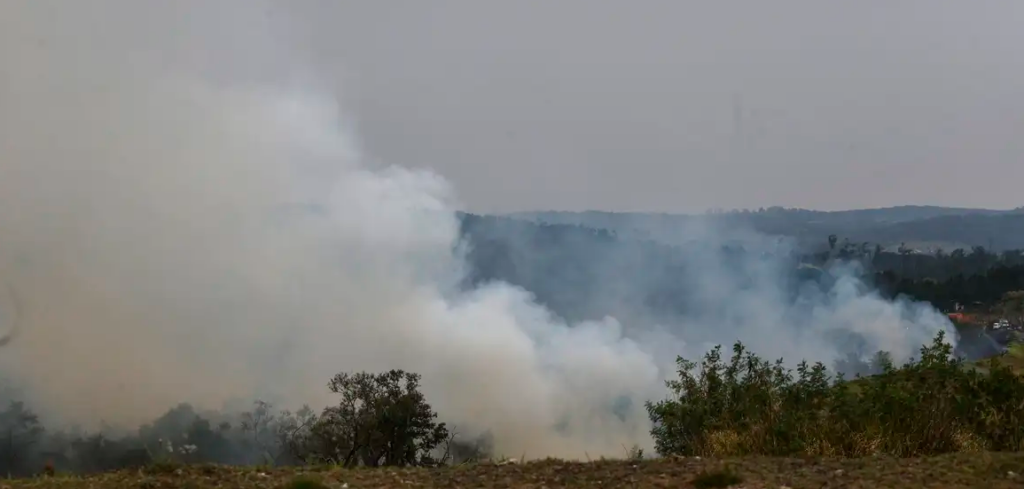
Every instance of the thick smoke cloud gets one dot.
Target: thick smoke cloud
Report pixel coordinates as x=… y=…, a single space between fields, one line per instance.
x=182 y=220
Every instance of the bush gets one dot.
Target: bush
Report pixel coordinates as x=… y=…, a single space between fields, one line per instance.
x=716 y=479
x=750 y=406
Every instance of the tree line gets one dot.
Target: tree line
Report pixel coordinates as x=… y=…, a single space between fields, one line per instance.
x=743 y=405
x=380 y=419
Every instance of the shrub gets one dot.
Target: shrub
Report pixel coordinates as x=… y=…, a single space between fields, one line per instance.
x=716 y=479
x=750 y=406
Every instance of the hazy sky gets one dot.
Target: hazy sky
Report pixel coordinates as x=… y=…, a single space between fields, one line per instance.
x=683 y=105
x=672 y=105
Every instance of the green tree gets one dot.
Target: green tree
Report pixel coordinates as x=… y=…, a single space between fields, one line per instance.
x=382 y=420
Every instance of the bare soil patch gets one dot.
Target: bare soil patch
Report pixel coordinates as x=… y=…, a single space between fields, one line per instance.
x=978 y=470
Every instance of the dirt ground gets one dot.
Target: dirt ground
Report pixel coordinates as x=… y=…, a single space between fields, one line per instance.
x=981 y=470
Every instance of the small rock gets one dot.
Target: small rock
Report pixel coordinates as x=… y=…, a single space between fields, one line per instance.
x=696 y=458
x=1011 y=474
x=838 y=472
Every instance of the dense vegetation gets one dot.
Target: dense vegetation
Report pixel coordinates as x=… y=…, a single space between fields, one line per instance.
x=929 y=406
x=981 y=291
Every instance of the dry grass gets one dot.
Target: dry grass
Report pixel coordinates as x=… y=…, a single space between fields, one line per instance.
x=1013 y=358
x=988 y=470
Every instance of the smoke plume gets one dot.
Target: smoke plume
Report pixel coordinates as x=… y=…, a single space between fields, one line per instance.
x=185 y=215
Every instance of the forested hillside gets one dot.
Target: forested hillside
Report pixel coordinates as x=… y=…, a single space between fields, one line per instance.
x=923 y=226
x=566 y=266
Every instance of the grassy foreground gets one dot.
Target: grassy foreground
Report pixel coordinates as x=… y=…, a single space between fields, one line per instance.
x=1013 y=359
x=974 y=470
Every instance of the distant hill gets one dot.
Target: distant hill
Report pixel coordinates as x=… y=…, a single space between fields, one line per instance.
x=924 y=226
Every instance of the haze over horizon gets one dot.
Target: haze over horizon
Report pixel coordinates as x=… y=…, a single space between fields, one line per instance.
x=740 y=209
x=675 y=106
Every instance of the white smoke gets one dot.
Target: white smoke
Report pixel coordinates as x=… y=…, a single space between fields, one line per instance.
x=183 y=224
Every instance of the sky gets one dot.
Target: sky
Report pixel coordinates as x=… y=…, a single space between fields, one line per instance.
x=655 y=105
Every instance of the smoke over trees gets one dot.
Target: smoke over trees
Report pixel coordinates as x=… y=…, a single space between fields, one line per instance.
x=186 y=223
x=741 y=406
x=379 y=419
